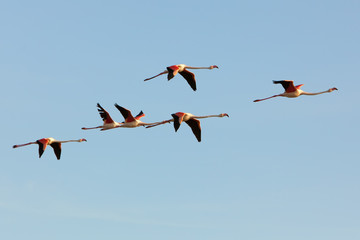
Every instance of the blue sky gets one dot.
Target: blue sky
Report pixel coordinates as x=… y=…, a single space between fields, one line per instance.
x=278 y=169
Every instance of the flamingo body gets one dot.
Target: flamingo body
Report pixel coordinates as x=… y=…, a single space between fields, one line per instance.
x=193 y=123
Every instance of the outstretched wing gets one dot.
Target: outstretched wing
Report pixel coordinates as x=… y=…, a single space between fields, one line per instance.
x=140 y=115
x=172 y=71
x=126 y=113
x=104 y=114
x=288 y=85
x=195 y=127
x=57 y=149
x=178 y=118
x=190 y=78
x=42 y=145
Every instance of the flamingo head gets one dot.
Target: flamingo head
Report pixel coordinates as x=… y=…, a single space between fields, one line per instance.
x=83 y=140
x=224 y=115
x=213 y=66
x=332 y=89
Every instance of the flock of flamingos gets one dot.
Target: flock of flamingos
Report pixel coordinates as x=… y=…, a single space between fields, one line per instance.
x=291 y=91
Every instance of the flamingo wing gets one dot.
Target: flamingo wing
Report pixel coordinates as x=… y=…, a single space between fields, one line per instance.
x=288 y=85
x=195 y=127
x=299 y=86
x=190 y=78
x=178 y=118
x=172 y=71
x=140 y=115
x=57 y=149
x=126 y=113
x=42 y=145
x=104 y=114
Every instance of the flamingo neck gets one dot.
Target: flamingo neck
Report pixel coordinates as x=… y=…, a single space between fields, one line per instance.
x=307 y=93
x=198 y=67
x=79 y=140
x=208 y=116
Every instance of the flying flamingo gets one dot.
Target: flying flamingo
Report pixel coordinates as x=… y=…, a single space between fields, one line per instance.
x=181 y=68
x=55 y=144
x=130 y=121
x=292 y=91
x=190 y=119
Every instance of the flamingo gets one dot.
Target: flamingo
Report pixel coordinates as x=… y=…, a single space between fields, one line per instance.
x=292 y=91
x=55 y=144
x=190 y=119
x=181 y=68
x=130 y=121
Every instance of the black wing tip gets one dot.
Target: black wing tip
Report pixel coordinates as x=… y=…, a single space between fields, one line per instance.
x=117 y=105
x=100 y=108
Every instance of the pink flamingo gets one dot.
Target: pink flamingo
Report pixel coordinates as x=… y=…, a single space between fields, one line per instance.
x=130 y=121
x=190 y=119
x=181 y=68
x=55 y=144
x=292 y=91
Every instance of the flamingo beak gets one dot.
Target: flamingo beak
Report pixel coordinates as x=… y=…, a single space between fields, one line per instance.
x=225 y=114
x=215 y=66
x=84 y=139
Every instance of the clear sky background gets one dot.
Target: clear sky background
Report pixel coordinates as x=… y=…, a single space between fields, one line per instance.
x=279 y=169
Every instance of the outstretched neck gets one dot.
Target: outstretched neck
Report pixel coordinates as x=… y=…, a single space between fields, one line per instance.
x=307 y=93
x=79 y=140
x=208 y=116
x=199 y=67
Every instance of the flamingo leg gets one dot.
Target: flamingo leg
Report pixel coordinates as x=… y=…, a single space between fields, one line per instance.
x=104 y=129
x=160 y=123
x=164 y=72
x=258 y=100
x=84 y=128
x=22 y=145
